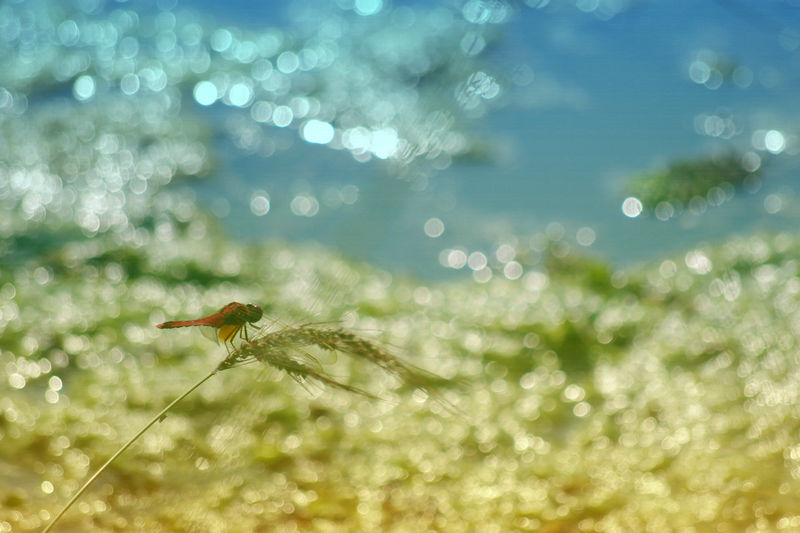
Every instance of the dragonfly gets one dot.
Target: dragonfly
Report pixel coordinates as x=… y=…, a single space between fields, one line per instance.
x=228 y=321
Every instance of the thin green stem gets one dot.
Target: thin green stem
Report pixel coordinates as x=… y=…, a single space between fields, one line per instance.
x=124 y=447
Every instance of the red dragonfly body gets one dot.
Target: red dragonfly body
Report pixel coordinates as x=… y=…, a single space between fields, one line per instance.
x=228 y=321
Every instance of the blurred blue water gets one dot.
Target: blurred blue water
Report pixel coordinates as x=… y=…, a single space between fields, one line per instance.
x=608 y=99
x=353 y=123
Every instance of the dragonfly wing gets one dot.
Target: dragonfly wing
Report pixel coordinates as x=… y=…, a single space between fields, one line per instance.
x=210 y=333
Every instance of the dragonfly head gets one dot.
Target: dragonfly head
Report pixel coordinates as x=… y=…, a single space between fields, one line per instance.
x=254 y=313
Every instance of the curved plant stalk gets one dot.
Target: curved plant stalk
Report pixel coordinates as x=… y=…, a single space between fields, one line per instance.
x=284 y=349
x=124 y=447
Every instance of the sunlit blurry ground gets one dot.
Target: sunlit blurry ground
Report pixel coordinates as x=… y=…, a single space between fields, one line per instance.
x=654 y=399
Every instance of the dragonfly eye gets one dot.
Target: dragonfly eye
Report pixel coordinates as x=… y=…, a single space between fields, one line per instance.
x=254 y=312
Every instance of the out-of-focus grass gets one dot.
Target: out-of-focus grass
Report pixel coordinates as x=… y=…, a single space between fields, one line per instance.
x=693 y=183
x=663 y=397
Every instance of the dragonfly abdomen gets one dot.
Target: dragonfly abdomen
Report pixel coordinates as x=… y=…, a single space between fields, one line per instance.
x=187 y=323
